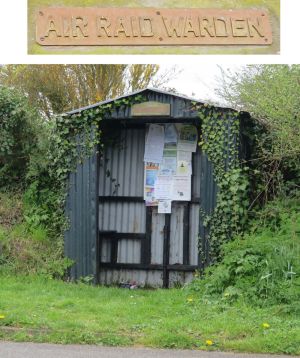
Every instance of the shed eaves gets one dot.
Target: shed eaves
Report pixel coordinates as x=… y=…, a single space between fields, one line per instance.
x=139 y=92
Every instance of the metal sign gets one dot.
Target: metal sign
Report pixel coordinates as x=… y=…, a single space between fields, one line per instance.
x=147 y=26
x=151 y=109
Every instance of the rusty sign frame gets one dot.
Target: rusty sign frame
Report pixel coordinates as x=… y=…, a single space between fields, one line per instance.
x=87 y=26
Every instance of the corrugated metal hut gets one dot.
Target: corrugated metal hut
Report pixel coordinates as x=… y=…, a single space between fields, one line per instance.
x=113 y=235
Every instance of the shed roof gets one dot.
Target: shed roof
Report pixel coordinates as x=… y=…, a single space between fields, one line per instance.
x=148 y=89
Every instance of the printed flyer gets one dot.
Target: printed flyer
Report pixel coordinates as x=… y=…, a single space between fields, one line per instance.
x=168 y=164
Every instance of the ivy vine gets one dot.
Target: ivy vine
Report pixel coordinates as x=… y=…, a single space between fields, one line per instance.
x=220 y=142
x=74 y=138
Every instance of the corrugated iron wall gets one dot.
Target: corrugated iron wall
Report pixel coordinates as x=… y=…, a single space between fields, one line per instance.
x=81 y=209
x=84 y=209
x=121 y=174
x=180 y=107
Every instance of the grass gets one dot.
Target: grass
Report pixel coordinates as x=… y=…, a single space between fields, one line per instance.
x=44 y=310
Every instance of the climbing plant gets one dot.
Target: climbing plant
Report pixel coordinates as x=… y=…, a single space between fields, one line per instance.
x=220 y=142
x=74 y=138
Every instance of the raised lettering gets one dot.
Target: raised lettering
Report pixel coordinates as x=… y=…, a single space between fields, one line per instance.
x=134 y=26
x=66 y=27
x=221 y=28
x=191 y=27
x=79 y=26
x=239 y=28
x=103 y=25
x=122 y=27
x=174 y=25
x=146 y=26
x=54 y=25
x=255 y=27
x=206 y=27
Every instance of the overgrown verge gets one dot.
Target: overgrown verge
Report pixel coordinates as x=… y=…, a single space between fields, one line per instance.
x=34 y=169
x=26 y=247
x=262 y=267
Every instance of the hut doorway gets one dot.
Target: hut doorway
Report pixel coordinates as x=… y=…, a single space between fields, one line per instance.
x=136 y=242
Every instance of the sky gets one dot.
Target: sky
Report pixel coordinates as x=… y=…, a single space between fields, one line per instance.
x=199 y=81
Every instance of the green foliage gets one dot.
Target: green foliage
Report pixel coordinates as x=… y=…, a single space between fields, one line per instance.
x=74 y=138
x=220 y=142
x=26 y=247
x=56 y=89
x=270 y=93
x=263 y=267
x=29 y=251
x=34 y=306
x=19 y=127
x=34 y=240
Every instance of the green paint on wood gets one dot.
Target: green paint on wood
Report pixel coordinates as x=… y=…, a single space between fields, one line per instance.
x=273 y=6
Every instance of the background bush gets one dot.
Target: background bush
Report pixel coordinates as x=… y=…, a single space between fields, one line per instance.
x=263 y=267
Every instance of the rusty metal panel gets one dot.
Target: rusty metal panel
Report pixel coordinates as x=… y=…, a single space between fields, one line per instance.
x=129 y=251
x=194 y=233
x=105 y=250
x=151 y=278
x=121 y=167
x=157 y=237
x=122 y=217
x=61 y=26
x=176 y=234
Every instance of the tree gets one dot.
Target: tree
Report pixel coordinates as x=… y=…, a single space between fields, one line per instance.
x=20 y=126
x=271 y=94
x=59 y=88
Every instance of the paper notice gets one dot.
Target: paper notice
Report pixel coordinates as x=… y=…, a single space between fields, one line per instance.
x=183 y=168
x=170 y=150
x=154 y=145
x=168 y=166
x=151 y=171
x=163 y=187
x=150 y=177
x=181 y=190
x=164 y=207
x=184 y=155
x=149 y=197
x=170 y=134
x=187 y=138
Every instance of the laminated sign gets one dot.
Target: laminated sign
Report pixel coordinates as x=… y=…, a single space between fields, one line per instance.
x=74 y=26
x=168 y=164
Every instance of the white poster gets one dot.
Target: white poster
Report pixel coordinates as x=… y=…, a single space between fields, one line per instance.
x=168 y=166
x=170 y=134
x=183 y=168
x=163 y=187
x=181 y=190
x=184 y=155
x=154 y=145
x=164 y=207
x=187 y=138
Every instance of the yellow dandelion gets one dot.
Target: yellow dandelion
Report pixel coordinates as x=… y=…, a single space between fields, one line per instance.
x=190 y=299
x=2 y=316
x=209 y=342
x=266 y=325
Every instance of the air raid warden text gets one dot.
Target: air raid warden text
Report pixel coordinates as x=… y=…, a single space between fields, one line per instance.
x=147 y=26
